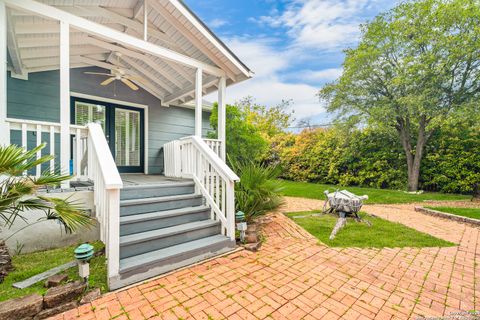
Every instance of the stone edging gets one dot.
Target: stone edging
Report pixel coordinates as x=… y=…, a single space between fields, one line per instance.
x=435 y=213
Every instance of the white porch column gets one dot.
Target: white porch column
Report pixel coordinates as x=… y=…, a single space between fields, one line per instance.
x=222 y=86
x=4 y=127
x=65 y=97
x=198 y=102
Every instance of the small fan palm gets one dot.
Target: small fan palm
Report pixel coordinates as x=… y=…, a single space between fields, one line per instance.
x=258 y=191
x=18 y=192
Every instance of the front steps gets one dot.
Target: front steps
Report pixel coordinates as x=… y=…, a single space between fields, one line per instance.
x=164 y=227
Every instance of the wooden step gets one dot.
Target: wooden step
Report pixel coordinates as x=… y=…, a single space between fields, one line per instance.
x=148 y=241
x=157 y=190
x=145 y=205
x=143 y=222
x=140 y=267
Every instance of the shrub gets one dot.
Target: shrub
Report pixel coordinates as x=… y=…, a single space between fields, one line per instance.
x=258 y=190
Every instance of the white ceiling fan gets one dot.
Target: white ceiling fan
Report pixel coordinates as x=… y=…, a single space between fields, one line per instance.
x=117 y=73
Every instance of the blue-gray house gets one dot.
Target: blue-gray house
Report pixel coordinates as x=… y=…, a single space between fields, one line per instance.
x=114 y=88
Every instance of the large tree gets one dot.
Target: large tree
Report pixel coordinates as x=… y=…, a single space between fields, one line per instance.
x=415 y=66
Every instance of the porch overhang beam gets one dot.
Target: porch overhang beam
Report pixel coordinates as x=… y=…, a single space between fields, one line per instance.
x=188 y=34
x=197 y=24
x=113 y=35
x=99 y=11
x=147 y=74
x=12 y=47
x=189 y=90
x=130 y=53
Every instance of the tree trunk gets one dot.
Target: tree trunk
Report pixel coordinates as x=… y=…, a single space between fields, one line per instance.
x=413 y=160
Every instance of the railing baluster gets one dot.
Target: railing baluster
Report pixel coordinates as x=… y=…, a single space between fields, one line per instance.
x=52 y=149
x=39 y=152
x=200 y=160
x=78 y=153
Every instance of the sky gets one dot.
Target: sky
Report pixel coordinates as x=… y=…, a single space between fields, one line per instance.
x=293 y=46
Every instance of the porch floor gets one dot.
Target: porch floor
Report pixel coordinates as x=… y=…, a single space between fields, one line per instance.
x=133 y=179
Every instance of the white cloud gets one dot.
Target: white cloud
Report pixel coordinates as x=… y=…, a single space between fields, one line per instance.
x=266 y=86
x=322 y=75
x=217 y=23
x=321 y=24
x=281 y=69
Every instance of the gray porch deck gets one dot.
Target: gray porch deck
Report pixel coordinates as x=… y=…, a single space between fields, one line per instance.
x=129 y=179
x=134 y=179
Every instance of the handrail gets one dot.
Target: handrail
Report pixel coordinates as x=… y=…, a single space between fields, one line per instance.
x=108 y=168
x=215 y=160
x=192 y=157
x=107 y=184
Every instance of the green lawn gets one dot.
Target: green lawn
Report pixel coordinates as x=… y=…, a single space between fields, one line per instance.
x=473 y=213
x=315 y=191
x=30 y=264
x=381 y=234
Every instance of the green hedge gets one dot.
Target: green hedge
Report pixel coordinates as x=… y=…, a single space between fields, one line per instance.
x=374 y=158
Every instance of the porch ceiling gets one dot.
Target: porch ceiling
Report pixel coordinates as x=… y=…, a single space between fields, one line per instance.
x=33 y=45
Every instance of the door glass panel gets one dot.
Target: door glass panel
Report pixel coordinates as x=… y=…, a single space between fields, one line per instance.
x=127 y=137
x=89 y=112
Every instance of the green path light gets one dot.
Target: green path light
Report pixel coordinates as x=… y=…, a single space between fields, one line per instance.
x=83 y=253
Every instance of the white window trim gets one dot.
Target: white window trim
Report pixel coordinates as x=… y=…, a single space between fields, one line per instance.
x=126 y=104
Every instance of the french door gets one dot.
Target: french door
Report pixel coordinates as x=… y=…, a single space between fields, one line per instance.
x=123 y=127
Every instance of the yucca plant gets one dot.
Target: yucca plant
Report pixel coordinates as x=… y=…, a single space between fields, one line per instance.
x=258 y=191
x=18 y=192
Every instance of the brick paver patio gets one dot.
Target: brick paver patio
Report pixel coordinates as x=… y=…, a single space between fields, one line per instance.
x=294 y=277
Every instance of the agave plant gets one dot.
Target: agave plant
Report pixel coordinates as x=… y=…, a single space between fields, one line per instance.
x=258 y=190
x=18 y=191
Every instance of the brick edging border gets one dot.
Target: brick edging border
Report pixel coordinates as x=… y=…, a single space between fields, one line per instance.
x=449 y=216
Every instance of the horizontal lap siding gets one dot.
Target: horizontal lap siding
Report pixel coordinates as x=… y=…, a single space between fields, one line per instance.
x=167 y=124
x=35 y=99
x=39 y=99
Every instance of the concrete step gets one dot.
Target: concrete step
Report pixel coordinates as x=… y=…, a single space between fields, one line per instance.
x=143 y=222
x=157 y=190
x=140 y=267
x=139 y=243
x=145 y=205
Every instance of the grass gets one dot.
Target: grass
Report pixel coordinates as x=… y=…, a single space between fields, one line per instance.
x=30 y=264
x=383 y=196
x=381 y=234
x=473 y=213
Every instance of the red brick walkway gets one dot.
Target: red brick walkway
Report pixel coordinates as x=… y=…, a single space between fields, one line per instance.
x=294 y=277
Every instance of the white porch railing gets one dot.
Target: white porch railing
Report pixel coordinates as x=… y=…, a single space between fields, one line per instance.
x=107 y=183
x=215 y=145
x=192 y=157
x=39 y=128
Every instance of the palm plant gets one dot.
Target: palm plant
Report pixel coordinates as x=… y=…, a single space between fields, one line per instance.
x=18 y=192
x=258 y=190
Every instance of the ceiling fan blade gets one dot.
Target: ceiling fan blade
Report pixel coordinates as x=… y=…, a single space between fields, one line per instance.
x=130 y=84
x=108 y=81
x=135 y=78
x=99 y=74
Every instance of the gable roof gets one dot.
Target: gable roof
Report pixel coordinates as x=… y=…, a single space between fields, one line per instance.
x=34 y=44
